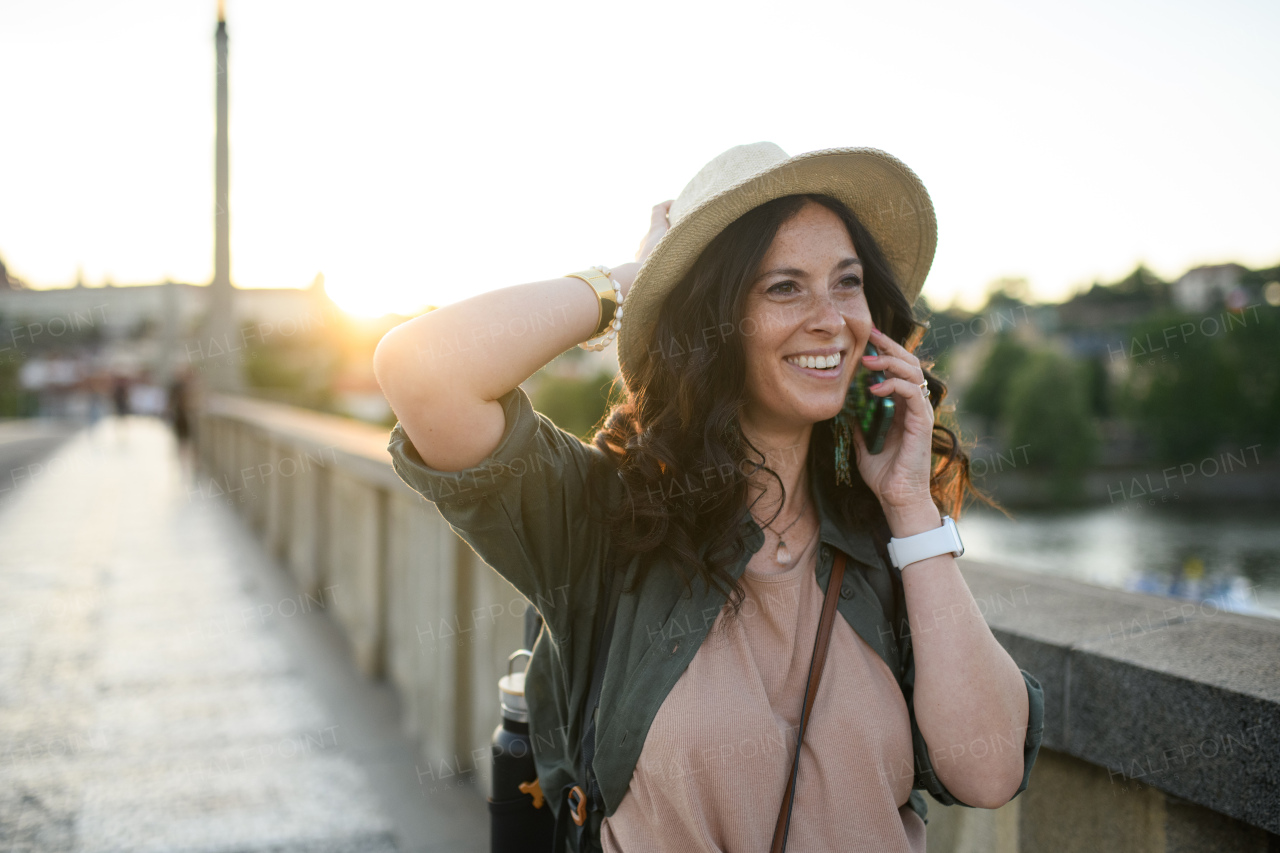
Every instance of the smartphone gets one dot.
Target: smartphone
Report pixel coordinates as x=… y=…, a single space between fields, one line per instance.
x=873 y=414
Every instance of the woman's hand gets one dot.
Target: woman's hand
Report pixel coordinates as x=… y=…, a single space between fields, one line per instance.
x=625 y=274
x=657 y=227
x=899 y=474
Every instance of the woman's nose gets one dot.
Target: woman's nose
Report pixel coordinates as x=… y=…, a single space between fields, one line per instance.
x=825 y=314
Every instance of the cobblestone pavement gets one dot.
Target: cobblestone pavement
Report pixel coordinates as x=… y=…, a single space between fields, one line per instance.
x=126 y=722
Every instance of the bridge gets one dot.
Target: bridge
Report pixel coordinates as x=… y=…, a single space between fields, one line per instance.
x=287 y=649
x=167 y=687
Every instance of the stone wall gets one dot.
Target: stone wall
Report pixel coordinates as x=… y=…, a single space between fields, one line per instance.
x=1162 y=717
x=417 y=606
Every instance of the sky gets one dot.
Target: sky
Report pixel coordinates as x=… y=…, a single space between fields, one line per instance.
x=417 y=154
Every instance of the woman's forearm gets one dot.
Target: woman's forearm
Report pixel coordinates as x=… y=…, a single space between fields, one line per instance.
x=443 y=372
x=970 y=699
x=438 y=371
x=484 y=346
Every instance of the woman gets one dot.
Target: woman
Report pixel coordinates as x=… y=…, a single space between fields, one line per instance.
x=715 y=496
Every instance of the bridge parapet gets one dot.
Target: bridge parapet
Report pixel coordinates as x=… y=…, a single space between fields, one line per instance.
x=1162 y=717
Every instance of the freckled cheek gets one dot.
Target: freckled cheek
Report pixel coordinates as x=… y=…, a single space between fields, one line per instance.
x=759 y=347
x=766 y=376
x=858 y=316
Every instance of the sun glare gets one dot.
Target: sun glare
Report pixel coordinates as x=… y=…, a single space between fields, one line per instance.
x=366 y=302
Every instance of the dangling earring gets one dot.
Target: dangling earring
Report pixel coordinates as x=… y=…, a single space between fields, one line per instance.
x=842 y=426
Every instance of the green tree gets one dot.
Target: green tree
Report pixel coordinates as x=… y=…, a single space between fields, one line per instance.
x=1047 y=410
x=1099 y=387
x=1142 y=282
x=11 y=393
x=1008 y=293
x=1200 y=383
x=15 y=401
x=574 y=405
x=986 y=396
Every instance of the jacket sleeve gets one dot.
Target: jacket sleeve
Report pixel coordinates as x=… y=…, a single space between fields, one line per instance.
x=523 y=509
x=927 y=778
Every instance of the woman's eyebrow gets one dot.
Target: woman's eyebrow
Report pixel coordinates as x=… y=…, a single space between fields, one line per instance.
x=847 y=262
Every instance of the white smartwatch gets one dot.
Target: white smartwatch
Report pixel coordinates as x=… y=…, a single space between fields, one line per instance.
x=922 y=546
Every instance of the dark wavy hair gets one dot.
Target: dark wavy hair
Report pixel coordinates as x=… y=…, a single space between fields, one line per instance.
x=675 y=439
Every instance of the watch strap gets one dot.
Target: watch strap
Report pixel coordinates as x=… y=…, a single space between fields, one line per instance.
x=922 y=546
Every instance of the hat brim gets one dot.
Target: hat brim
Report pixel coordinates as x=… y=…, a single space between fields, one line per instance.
x=885 y=195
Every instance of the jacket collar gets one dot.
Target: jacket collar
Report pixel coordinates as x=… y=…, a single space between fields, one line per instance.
x=858 y=544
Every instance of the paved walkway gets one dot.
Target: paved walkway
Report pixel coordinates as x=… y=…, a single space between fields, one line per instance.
x=160 y=692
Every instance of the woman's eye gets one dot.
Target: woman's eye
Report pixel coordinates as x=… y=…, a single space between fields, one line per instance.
x=850 y=281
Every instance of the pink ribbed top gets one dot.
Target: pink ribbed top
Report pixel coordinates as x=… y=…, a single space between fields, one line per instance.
x=717 y=757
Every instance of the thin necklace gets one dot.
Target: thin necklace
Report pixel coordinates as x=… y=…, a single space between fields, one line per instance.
x=783 y=554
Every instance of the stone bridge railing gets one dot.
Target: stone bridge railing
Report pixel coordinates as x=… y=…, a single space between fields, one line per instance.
x=1162 y=717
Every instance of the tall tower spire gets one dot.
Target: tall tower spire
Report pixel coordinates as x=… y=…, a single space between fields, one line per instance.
x=222 y=245
x=221 y=371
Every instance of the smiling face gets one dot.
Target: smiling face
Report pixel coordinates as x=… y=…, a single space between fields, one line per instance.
x=808 y=283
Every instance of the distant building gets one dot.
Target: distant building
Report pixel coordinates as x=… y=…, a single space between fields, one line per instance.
x=117 y=310
x=1203 y=287
x=156 y=328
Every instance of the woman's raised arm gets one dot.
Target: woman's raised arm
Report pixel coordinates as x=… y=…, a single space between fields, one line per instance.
x=443 y=372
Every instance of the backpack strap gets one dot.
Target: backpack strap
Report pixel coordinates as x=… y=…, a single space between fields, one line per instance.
x=578 y=801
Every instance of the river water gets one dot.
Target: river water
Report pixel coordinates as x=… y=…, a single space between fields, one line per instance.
x=1225 y=557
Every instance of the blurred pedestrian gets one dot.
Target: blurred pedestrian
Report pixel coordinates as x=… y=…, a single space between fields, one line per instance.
x=120 y=400
x=179 y=416
x=120 y=396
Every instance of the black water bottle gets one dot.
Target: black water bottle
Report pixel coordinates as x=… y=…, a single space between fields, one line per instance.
x=520 y=818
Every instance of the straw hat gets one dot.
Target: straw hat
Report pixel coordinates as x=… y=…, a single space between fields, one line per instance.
x=883 y=193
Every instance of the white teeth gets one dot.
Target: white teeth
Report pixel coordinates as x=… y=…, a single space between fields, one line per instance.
x=816 y=361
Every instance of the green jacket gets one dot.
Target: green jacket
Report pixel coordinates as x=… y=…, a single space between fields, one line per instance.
x=523 y=509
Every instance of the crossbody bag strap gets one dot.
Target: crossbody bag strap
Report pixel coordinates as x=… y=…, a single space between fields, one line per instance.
x=820 y=644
